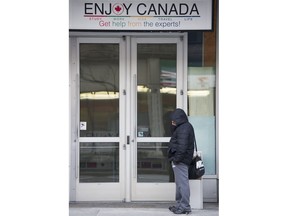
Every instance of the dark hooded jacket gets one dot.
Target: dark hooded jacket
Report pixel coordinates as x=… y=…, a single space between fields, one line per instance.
x=181 y=146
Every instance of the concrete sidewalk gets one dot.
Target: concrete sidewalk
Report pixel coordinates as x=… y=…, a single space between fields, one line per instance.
x=134 y=209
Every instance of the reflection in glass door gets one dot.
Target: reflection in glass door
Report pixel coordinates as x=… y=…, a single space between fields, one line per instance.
x=159 y=67
x=156 y=99
x=99 y=111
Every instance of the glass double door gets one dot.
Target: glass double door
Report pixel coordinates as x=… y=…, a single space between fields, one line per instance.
x=127 y=87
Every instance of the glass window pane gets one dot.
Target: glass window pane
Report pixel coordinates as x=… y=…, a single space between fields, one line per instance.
x=99 y=90
x=201 y=112
x=156 y=88
x=99 y=162
x=152 y=163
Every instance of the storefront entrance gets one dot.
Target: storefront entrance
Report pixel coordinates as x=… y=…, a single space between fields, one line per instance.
x=123 y=88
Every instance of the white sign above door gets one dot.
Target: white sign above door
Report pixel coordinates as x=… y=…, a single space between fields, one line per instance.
x=140 y=15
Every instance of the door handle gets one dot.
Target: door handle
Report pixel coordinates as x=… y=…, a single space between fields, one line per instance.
x=134 y=138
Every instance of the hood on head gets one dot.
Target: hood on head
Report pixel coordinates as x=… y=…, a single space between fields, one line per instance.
x=179 y=116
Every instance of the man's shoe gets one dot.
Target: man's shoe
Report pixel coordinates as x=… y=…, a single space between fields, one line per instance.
x=172 y=208
x=181 y=211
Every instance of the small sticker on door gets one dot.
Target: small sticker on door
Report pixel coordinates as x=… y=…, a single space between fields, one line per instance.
x=83 y=125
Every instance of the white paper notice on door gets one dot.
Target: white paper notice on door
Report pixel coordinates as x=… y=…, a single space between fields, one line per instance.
x=83 y=125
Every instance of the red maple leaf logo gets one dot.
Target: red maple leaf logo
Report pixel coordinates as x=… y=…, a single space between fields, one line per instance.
x=118 y=8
